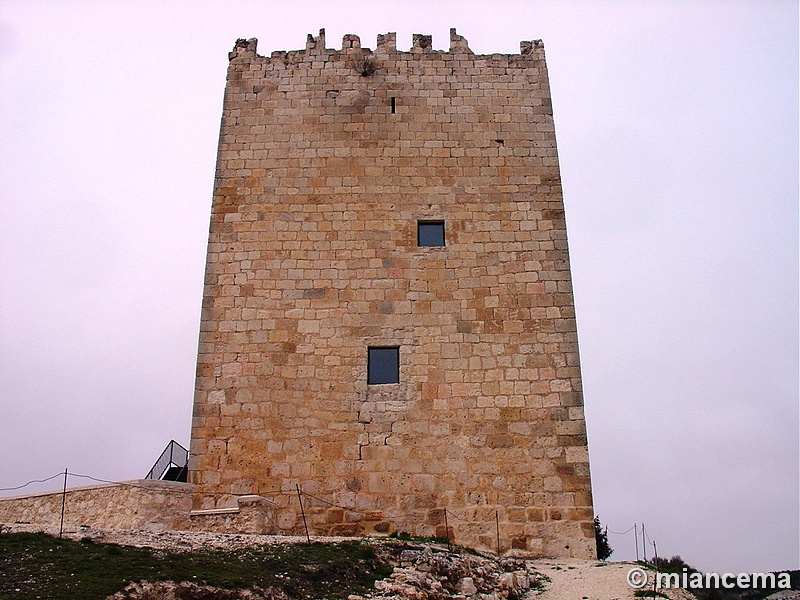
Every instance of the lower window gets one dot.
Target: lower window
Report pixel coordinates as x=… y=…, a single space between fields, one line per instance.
x=383 y=365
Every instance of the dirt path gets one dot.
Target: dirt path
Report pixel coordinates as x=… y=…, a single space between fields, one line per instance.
x=591 y=580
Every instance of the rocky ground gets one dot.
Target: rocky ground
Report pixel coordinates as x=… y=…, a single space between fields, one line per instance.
x=421 y=571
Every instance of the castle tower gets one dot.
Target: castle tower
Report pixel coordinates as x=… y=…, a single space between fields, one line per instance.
x=388 y=318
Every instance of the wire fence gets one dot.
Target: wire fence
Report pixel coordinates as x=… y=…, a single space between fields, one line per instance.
x=489 y=521
x=31 y=482
x=406 y=516
x=641 y=540
x=66 y=474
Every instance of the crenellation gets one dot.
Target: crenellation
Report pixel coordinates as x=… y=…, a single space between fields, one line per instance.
x=386 y=43
x=316 y=44
x=351 y=41
x=458 y=59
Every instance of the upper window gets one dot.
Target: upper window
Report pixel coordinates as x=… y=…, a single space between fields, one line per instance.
x=430 y=233
x=383 y=365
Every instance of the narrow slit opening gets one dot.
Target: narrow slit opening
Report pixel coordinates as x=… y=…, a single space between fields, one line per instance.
x=394 y=104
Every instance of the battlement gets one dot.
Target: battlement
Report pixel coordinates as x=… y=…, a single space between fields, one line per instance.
x=386 y=44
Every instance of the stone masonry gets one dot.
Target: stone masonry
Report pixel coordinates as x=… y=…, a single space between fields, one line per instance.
x=139 y=504
x=328 y=159
x=142 y=504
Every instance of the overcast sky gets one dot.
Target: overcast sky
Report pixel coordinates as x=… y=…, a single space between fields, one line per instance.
x=677 y=127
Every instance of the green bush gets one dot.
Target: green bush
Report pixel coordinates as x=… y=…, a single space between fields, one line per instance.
x=604 y=549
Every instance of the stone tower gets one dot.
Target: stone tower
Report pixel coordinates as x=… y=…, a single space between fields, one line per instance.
x=388 y=320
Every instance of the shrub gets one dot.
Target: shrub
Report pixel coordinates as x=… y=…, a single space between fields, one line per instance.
x=604 y=549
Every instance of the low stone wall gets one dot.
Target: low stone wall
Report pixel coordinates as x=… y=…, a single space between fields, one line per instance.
x=137 y=504
x=253 y=514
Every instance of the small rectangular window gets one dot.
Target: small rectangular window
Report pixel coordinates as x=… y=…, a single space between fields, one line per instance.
x=430 y=233
x=394 y=104
x=383 y=365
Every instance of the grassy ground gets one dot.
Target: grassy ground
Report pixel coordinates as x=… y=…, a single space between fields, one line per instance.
x=36 y=565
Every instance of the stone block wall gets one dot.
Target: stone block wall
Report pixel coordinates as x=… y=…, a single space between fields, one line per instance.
x=327 y=161
x=252 y=514
x=139 y=504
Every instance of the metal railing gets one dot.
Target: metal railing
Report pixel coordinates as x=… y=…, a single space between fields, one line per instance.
x=172 y=465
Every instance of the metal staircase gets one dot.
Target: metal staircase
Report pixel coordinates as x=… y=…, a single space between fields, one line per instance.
x=172 y=465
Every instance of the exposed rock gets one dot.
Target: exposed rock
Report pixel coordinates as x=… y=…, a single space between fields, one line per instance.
x=467 y=587
x=434 y=573
x=169 y=590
